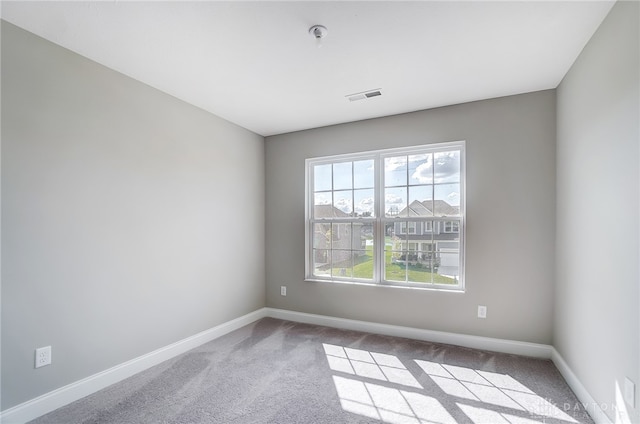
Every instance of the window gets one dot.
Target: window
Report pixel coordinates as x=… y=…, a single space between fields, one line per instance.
x=451 y=227
x=393 y=217
x=411 y=226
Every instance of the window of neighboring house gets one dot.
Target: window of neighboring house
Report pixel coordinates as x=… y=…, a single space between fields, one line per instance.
x=376 y=217
x=451 y=227
x=410 y=225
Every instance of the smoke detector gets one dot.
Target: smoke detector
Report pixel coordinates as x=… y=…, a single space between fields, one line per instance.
x=318 y=32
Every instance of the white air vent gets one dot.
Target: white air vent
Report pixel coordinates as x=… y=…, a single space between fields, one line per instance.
x=364 y=95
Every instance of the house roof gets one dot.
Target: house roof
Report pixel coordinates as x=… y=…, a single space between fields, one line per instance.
x=429 y=208
x=328 y=211
x=416 y=208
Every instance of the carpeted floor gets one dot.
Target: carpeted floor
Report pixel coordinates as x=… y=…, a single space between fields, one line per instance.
x=275 y=371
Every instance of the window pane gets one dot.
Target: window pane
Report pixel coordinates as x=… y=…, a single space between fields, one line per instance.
x=363 y=264
x=425 y=236
x=343 y=203
x=321 y=259
x=342 y=176
x=398 y=234
x=428 y=263
x=395 y=251
x=421 y=169
x=322 y=177
x=324 y=211
x=420 y=252
x=343 y=250
x=395 y=201
x=364 y=202
x=322 y=198
x=448 y=267
x=420 y=200
x=362 y=236
x=395 y=171
x=395 y=267
x=447 y=199
x=322 y=236
x=447 y=166
x=420 y=272
x=341 y=263
x=341 y=236
x=363 y=174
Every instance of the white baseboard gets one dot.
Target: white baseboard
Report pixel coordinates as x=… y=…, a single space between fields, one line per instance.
x=55 y=399
x=485 y=343
x=587 y=401
x=60 y=397
x=476 y=342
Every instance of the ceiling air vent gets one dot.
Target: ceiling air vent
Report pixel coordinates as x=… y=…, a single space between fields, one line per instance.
x=364 y=95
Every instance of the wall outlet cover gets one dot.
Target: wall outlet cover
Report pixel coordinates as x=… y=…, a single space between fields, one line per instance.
x=482 y=311
x=43 y=356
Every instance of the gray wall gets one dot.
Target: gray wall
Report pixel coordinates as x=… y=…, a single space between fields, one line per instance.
x=510 y=219
x=596 y=325
x=130 y=220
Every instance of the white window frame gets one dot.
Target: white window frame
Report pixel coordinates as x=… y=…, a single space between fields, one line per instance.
x=379 y=220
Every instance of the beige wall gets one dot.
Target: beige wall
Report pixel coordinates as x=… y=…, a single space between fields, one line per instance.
x=597 y=290
x=130 y=220
x=510 y=219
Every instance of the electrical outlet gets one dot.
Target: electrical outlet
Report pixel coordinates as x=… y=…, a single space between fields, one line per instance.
x=43 y=356
x=629 y=392
x=482 y=311
x=283 y=290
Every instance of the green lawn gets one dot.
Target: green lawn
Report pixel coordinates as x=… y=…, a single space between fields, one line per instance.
x=393 y=271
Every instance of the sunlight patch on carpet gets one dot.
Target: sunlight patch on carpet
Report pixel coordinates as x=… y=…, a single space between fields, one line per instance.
x=388 y=404
x=377 y=366
x=379 y=386
x=490 y=388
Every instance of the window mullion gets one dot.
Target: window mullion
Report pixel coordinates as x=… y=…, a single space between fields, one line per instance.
x=378 y=258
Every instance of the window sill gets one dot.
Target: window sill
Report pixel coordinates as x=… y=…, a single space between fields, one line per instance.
x=458 y=290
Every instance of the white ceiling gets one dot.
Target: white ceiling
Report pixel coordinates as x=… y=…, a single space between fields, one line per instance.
x=254 y=63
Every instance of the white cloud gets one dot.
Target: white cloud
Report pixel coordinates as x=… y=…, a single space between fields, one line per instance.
x=392 y=198
x=322 y=199
x=447 y=166
x=365 y=205
x=391 y=164
x=423 y=173
x=420 y=158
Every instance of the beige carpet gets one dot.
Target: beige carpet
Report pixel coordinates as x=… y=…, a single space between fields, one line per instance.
x=276 y=371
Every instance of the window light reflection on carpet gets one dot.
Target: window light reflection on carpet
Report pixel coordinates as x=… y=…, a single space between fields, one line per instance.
x=483 y=396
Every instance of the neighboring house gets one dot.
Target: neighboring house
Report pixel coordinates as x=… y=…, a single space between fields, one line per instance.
x=430 y=244
x=344 y=240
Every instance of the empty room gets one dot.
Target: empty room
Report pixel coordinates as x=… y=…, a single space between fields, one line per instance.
x=320 y=212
